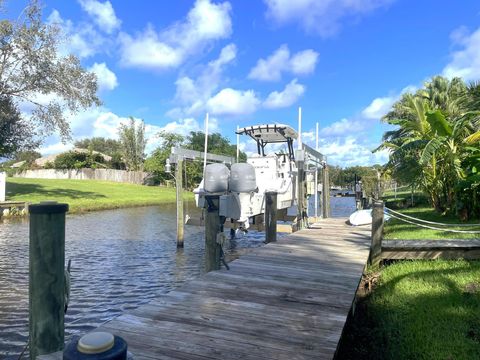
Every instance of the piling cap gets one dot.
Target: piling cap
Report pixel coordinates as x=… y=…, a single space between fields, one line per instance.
x=95 y=342
x=48 y=207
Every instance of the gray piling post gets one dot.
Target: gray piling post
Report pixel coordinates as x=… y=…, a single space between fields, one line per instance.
x=377 y=233
x=179 y=198
x=46 y=278
x=270 y=216
x=212 y=228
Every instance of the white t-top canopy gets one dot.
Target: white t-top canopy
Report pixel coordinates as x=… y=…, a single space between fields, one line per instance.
x=270 y=133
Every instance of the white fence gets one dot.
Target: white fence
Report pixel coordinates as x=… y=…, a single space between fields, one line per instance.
x=133 y=177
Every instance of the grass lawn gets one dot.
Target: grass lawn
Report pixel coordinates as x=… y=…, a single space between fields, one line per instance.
x=88 y=195
x=419 y=310
x=396 y=229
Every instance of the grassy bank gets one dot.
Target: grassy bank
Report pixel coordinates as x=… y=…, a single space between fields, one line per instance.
x=419 y=310
x=88 y=195
x=396 y=229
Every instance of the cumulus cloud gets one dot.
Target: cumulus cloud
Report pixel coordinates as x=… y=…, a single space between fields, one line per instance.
x=106 y=78
x=233 y=102
x=343 y=127
x=321 y=17
x=350 y=151
x=193 y=93
x=292 y=92
x=465 y=62
x=271 y=68
x=79 y=39
x=379 y=107
x=169 y=48
x=102 y=13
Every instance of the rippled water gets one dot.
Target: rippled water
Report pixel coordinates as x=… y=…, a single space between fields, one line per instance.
x=120 y=260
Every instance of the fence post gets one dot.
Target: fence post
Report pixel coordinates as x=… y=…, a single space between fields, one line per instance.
x=212 y=228
x=179 y=197
x=377 y=233
x=47 y=278
x=270 y=216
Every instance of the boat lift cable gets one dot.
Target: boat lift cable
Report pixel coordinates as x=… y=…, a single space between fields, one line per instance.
x=430 y=222
x=433 y=227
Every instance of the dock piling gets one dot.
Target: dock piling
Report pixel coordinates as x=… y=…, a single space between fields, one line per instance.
x=47 y=278
x=212 y=228
x=325 y=193
x=377 y=233
x=270 y=216
x=179 y=199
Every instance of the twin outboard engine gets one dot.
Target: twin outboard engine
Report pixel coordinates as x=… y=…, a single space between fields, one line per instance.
x=240 y=179
x=216 y=178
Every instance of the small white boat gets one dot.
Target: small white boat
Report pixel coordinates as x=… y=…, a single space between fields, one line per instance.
x=361 y=217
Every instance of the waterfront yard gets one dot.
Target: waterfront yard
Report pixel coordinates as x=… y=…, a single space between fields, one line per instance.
x=88 y=195
x=419 y=310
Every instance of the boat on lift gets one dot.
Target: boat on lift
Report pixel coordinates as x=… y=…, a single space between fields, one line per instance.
x=241 y=189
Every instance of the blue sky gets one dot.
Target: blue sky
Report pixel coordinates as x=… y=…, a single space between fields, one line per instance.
x=247 y=62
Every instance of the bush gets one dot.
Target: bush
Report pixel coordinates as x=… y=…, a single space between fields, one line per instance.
x=78 y=160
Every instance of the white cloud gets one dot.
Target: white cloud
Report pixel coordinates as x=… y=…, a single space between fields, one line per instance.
x=106 y=78
x=79 y=39
x=54 y=148
x=285 y=98
x=343 y=127
x=379 y=107
x=205 y=22
x=350 y=151
x=271 y=68
x=233 y=102
x=102 y=13
x=465 y=62
x=304 y=62
x=192 y=94
x=321 y=17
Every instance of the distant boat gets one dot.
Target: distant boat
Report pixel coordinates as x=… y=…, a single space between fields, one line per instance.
x=361 y=217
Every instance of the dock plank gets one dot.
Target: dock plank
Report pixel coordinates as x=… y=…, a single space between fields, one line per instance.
x=286 y=300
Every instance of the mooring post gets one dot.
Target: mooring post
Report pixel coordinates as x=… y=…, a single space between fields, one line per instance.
x=3 y=182
x=270 y=216
x=179 y=190
x=47 y=278
x=300 y=159
x=325 y=193
x=377 y=233
x=212 y=229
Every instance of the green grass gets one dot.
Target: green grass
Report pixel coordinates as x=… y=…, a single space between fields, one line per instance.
x=421 y=310
x=396 y=229
x=88 y=195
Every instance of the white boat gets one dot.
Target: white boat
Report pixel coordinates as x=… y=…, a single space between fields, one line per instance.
x=242 y=188
x=361 y=217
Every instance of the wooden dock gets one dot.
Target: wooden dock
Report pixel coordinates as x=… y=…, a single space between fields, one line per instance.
x=286 y=300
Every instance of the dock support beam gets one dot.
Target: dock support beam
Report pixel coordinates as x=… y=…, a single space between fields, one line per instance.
x=270 y=216
x=212 y=229
x=180 y=215
x=325 y=192
x=47 y=278
x=377 y=233
x=301 y=189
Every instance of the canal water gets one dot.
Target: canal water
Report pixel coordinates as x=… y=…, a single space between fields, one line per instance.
x=120 y=259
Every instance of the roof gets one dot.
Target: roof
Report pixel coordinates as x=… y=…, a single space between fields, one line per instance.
x=269 y=133
x=51 y=158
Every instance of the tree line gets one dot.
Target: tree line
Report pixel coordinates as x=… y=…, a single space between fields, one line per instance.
x=435 y=144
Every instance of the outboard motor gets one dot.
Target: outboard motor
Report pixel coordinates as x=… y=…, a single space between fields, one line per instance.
x=216 y=178
x=242 y=178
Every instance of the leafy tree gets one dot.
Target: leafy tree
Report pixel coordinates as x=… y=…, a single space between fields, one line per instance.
x=100 y=144
x=79 y=160
x=33 y=73
x=132 y=139
x=435 y=143
x=15 y=134
x=155 y=163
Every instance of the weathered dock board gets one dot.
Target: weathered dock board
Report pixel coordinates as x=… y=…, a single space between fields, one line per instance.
x=287 y=300
x=431 y=249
